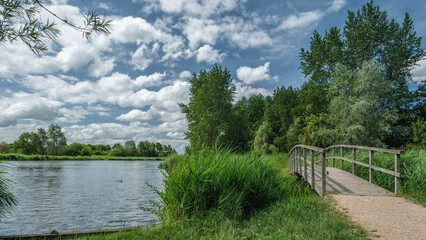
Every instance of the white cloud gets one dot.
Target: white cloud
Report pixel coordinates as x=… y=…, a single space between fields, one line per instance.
x=419 y=72
x=337 y=5
x=72 y=115
x=251 y=75
x=143 y=56
x=135 y=115
x=199 y=31
x=247 y=91
x=191 y=7
x=101 y=67
x=185 y=75
x=28 y=107
x=301 y=20
x=207 y=54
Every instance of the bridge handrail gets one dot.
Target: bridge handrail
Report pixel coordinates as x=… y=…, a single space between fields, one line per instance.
x=367 y=148
x=295 y=162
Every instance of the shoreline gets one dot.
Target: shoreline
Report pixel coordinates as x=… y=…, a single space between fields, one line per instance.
x=21 y=157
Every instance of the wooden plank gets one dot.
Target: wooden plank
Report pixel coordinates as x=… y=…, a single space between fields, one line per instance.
x=373 y=167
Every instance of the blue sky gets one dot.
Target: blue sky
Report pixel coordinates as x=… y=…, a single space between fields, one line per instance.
x=127 y=85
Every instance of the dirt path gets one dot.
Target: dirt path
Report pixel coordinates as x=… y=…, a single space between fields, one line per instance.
x=385 y=217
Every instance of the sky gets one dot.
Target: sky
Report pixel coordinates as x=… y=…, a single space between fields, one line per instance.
x=127 y=86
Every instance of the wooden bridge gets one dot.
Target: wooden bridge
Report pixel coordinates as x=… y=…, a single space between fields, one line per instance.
x=324 y=176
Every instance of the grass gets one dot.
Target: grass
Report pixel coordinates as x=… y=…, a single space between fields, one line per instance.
x=23 y=157
x=298 y=213
x=412 y=166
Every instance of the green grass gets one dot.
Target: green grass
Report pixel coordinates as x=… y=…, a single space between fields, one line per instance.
x=298 y=213
x=23 y=157
x=412 y=166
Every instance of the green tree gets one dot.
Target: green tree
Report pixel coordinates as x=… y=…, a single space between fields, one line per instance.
x=4 y=147
x=367 y=34
x=117 y=150
x=57 y=139
x=129 y=148
x=263 y=139
x=44 y=139
x=209 y=110
x=357 y=108
x=419 y=132
x=20 y=19
x=28 y=143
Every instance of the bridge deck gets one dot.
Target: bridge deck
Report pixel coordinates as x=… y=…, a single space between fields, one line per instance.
x=342 y=182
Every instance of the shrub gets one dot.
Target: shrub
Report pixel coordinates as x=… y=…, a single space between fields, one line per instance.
x=237 y=185
x=169 y=164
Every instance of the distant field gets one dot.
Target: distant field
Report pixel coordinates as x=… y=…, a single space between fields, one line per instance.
x=22 y=157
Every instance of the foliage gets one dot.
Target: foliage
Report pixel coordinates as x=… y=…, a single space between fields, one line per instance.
x=210 y=180
x=129 y=148
x=7 y=200
x=5 y=147
x=56 y=140
x=22 y=20
x=263 y=139
x=28 y=143
x=117 y=150
x=357 y=108
x=169 y=164
x=419 y=132
x=367 y=34
x=209 y=110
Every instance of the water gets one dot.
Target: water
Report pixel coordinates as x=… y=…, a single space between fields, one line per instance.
x=69 y=196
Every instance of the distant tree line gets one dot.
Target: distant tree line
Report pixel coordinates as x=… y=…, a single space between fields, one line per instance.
x=357 y=93
x=53 y=142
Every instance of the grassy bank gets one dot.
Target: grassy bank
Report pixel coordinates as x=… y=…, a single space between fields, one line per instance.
x=413 y=171
x=190 y=210
x=22 y=157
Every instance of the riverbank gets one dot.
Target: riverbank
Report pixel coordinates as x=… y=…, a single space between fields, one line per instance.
x=22 y=157
x=302 y=214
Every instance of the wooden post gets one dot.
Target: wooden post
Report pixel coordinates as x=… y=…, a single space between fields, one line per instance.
x=305 y=165
x=370 y=170
x=353 y=164
x=342 y=154
x=300 y=161
x=326 y=160
x=333 y=157
x=397 y=170
x=323 y=174
x=312 y=171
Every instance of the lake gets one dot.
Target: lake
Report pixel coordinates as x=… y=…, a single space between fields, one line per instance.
x=69 y=196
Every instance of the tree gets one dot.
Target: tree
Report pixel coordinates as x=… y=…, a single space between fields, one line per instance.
x=367 y=34
x=357 y=111
x=28 y=143
x=419 y=132
x=117 y=150
x=209 y=110
x=4 y=147
x=20 y=19
x=263 y=139
x=129 y=148
x=57 y=139
x=44 y=139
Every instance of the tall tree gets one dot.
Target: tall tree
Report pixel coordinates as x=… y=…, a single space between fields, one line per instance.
x=44 y=139
x=358 y=111
x=129 y=148
x=209 y=110
x=367 y=34
x=28 y=143
x=57 y=138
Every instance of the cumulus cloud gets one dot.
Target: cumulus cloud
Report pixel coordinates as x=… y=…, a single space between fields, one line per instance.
x=301 y=20
x=143 y=56
x=207 y=54
x=419 y=72
x=185 y=75
x=251 y=75
x=247 y=91
x=336 y=5
x=135 y=115
x=101 y=67
x=191 y=7
x=199 y=31
x=29 y=107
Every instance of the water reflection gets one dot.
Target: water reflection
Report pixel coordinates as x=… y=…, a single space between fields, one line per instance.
x=80 y=195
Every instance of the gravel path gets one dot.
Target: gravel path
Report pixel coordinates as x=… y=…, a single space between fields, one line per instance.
x=385 y=217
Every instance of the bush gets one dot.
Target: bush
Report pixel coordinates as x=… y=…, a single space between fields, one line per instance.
x=169 y=164
x=237 y=185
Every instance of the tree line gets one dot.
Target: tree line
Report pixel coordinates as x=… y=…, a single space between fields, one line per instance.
x=54 y=142
x=357 y=93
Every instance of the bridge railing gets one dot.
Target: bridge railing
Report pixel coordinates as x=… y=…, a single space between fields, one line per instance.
x=297 y=160
x=298 y=163
x=396 y=173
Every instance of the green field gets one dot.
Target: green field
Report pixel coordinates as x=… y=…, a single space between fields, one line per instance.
x=23 y=157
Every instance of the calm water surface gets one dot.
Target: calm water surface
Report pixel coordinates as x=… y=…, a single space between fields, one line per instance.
x=79 y=195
